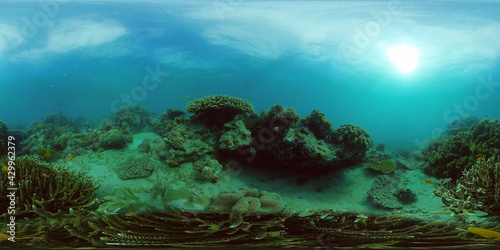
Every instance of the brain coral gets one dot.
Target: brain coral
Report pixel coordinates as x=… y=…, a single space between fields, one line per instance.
x=219 y=109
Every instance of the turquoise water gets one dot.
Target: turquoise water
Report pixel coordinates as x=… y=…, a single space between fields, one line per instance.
x=79 y=57
x=87 y=59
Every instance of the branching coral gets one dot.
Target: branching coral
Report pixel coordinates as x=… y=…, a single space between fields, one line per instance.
x=477 y=189
x=46 y=190
x=218 y=109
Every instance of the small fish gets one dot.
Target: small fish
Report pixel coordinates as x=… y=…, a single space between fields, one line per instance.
x=429 y=181
x=496 y=133
x=458 y=128
x=45 y=174
x=35 y=148
x=131 y=213
x=6 y=169
x=201 y=94
x=491 y=143
x=484 y=232
x=187 y=96
x=480 y=158
x=48 y=155
x=69 y=159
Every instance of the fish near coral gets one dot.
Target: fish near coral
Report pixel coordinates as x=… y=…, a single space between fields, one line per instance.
x=429 y=181
x=69 y=159
x=480 y=158
x=484 y=232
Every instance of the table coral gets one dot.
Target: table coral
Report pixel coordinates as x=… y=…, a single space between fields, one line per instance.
x=218 y=109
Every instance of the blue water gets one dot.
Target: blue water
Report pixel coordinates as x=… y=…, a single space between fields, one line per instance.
x=80 y=58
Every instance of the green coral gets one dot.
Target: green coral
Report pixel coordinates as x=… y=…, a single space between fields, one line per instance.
x=114 y=139
x=136 y=167
x=385 y=166
x=43 y=189
x=461 y=151
x=218 y=109
x=318 y=124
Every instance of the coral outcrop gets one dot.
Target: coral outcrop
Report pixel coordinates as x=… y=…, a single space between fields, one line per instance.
x=461 y=151
x=354 y=140
x=114 y=139
x=318 y=124
x=136 y=119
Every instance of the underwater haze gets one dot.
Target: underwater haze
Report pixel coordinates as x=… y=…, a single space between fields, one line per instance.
x=402 y=70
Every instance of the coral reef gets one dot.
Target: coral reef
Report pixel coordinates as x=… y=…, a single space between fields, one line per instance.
x=461 y=151
x=136 y=119
x=136 y=167
x=114 y=139
x=218 y=109
x=382 y=192
x=354 y=139
x=171 y=114
x=209 y=168
x=277 y=119
x=477 y=189
x=318 y=124
x=385 y=166
x=43 y=189
x=235 y=135
x=406 y=196
x=3 y=138
x=246 y=201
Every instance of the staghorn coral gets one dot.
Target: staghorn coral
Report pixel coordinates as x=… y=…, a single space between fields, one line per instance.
x=477 y=189
x=218 y=109
x=385 y=166
x=318 y=124
x=324 y=229
x=47 y=190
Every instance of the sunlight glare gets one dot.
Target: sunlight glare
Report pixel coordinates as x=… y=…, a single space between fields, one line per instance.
x=404 y=58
